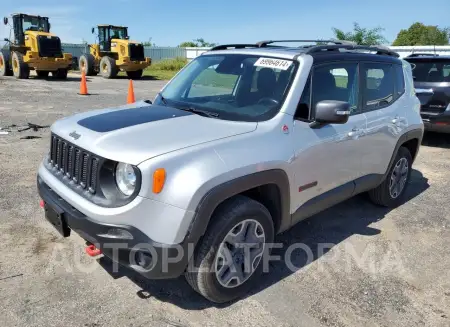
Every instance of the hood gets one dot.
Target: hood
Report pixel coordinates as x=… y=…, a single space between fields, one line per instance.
x=141 y=131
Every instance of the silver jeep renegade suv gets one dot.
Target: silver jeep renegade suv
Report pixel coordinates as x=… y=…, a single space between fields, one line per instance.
x=244 y=142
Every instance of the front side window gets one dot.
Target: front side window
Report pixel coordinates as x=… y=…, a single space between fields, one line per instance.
x=233 y=86
x=337 y=81
x=378 y=85
x=118 y=33
x=35 y=24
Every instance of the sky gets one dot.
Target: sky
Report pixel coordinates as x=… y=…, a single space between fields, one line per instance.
x=170 y=22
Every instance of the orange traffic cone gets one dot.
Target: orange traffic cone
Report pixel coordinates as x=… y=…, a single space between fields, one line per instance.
x=83 y=84
x=130 y=98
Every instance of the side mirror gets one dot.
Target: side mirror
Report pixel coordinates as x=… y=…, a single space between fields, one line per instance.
x=5 y=20
x=331 y=112
x=93 y=30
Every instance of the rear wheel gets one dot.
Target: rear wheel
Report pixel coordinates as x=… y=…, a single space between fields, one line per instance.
x=229 y=259
x=60 y=73
x=87 y=63
x=5 y=68
x=137 y=74
x=42 y=73
x=20 y=68
x=390 y=192
x=108 y=68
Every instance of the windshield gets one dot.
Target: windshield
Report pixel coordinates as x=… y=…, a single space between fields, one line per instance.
x=430 y=71
x=35 y=24
x=233 y=86
x=118 y=33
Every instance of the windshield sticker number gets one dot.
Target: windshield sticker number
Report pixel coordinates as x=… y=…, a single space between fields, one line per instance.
x=273 y=63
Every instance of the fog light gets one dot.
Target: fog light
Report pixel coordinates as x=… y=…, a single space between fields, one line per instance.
x=117 y=233
x=144 y=259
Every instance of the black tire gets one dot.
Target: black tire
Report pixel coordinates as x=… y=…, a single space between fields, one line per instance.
x=382 y=194
x=200 y=273
x=108 y=68
x=20 y=68
x=42 y=73
x=87 y=63
x=5 y=66
x=60 y=74
x=137 y=74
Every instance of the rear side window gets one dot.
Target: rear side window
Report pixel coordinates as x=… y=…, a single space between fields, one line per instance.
x=379 y=87
x=399 y=81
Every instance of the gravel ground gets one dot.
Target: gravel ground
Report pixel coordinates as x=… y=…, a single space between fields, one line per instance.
x=379 y=267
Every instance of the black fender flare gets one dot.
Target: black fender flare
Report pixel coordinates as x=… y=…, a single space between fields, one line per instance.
x=412 y=134
x=220 y=193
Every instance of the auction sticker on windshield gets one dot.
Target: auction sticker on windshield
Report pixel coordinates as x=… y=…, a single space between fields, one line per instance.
x=273 y=63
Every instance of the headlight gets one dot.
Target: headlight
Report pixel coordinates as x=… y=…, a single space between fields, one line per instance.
x=125 y=178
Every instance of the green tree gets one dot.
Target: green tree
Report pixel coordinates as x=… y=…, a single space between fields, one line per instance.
x=200 y=42
x=420 y=34
x=361 y=36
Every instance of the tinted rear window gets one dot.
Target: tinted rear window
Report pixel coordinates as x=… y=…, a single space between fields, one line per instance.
x=430 y=71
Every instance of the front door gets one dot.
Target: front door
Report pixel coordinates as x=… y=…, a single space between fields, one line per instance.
x=328 y=159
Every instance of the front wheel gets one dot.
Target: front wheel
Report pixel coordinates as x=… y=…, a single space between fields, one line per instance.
x=229 y=258
x=20 y=68
x=5 y=69
x=60 y=74
x=108 y=68
x=42 y=73
x=390 y=192
x=137 y=74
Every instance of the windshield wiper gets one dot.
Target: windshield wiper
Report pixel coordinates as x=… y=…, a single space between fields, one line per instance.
x=201 y=112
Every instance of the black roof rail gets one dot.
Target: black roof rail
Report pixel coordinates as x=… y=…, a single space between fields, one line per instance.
x=422 y=54
x=265 y=44
x=262 y=44
x=380 y=50
x=234 y=46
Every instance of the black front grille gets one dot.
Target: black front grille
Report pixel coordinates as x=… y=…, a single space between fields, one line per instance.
x=137 y=52
x=49 y=46
x=74 y=163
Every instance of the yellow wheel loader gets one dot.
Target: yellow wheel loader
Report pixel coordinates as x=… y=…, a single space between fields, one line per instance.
x=114 y=52
x=33 y=48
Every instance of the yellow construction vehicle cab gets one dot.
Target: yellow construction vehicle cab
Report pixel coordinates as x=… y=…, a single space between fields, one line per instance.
x=33 y=48
x=114 y=52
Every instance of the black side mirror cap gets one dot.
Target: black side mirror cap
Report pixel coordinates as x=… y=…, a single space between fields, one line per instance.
x=331 y=112
x=5 y=20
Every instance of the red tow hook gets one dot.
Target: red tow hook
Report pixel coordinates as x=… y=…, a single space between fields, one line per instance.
x=92 y=251
x=42 y=203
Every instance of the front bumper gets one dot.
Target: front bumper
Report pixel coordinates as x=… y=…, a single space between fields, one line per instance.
x=123 y=244
x=48 y=63
x=436 y=122
x=132 y=65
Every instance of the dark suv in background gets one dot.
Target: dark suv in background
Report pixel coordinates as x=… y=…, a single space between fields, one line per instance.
x=431 y=74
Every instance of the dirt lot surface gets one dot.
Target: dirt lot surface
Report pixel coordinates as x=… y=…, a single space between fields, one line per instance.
x=378 y=268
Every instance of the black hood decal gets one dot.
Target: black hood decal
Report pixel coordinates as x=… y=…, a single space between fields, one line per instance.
x=118 y=119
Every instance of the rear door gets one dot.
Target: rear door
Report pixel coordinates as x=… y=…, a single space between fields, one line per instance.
x=432 y=83
x=385 y=110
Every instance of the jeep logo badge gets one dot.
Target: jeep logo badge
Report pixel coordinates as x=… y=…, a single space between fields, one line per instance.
x=75 y=135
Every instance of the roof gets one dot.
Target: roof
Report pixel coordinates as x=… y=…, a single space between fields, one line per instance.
x=30 y=15
x=109 y=25
x=426 y=56
x=322 y=51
